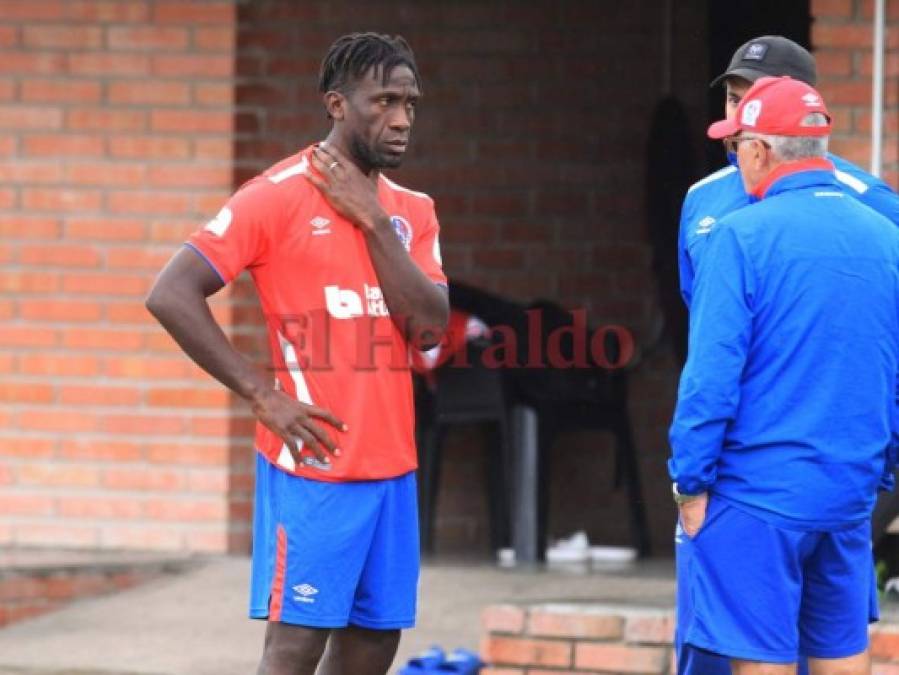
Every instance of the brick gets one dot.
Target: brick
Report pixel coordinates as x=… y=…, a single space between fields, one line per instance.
x=142 y=425
x=215 y=39
x=62 y=255
x=621 y=658
x=190 y=176
x=105 y=283
x=59 y=364
x=141 y=201
x=850 y=92
x=154 y=91
x=144 y=148
x=100 y=396
x=17 y=281
x=62 y=37
x=195 y=510
x=60 y=199
x=103 y=339
x=143 y=368
x=194 y=12
x=500 y=650
x=147 y=37
x=212 y=94
x=29 y=117
x=105 y=229
x=9 y=36
x=573 y=622
x=56 y=535
x=650 y=629
x=108 y=174
x=8 y=198
x=25 y=171
x=59 y=91
x=105 y=120
x=141 y=537
x=144 y=479
x=108 y=10
x=12 y=504
x=837 y=9
x=103 y=63
x=842 y=36
x=28 y=336
x=135 y=259
x=208 y=481
x=26 y=392
x=59 y=310
x=180 y=453
x=214 y=148
x=7 y=90
x=17 y=10
x=191 y=121
x=33 y=63
x=193 y=65
x=58 y=475
x=55 y=145
x=98 y=507
x=503 y=619
x=121 y=313
x=103 y=451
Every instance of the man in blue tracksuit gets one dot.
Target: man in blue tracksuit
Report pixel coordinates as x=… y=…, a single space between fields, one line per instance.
x=786 y=413
x=721 y=193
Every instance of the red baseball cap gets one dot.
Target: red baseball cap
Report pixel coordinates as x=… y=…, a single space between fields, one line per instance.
x=776 y=106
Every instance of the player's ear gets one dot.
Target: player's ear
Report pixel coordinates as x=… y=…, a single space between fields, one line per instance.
x=335 y=105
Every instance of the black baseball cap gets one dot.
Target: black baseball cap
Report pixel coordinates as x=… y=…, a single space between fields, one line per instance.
x=770 y=55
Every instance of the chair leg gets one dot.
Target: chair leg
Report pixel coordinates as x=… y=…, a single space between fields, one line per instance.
x=497 y=485
x=627 y=463
x=428 y=484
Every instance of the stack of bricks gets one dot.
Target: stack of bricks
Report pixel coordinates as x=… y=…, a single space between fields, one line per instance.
x=595 y=639
x=116 y=130
x=577 y=638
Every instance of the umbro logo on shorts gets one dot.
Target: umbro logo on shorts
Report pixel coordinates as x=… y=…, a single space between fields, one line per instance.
x=304 y=593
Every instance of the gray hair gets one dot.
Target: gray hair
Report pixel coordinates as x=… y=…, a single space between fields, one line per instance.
x=792 y=148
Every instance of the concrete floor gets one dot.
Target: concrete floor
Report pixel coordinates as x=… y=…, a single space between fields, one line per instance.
x=193 y=622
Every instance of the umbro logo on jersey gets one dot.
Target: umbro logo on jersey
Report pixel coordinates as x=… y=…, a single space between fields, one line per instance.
x=320 y=225
x=705 y=225
x=304 y=593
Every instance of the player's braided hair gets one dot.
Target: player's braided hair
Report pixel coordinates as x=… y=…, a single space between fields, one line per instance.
x=351 y=57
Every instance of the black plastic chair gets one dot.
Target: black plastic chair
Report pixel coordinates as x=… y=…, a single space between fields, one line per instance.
x=467 y=395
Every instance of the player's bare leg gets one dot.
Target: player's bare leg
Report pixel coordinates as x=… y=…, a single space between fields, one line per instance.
x=739 y=667
x=359 y=651
x=292 y=650
x=860 y=664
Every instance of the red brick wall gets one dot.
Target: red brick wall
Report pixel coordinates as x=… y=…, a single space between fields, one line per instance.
x=842 y=39
x=115 y=140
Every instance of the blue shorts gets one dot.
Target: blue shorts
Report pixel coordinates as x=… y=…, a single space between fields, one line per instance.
x=748 y=589
x=327 y=555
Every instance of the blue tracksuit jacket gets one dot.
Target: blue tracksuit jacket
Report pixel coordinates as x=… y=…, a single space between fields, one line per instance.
x=787 y=402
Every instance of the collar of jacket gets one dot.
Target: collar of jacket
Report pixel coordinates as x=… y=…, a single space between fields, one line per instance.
x=763 y=189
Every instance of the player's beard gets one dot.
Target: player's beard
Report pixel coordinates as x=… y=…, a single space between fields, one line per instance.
x=369 y=157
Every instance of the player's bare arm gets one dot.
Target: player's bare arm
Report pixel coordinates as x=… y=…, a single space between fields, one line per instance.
x=419 y=307
x=178 y=301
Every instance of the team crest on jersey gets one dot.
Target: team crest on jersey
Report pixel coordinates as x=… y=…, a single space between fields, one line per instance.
x=403 y=230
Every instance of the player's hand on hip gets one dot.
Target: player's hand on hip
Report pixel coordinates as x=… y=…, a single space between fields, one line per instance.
x=692 y=514
x=293 y=421
x=349 y=192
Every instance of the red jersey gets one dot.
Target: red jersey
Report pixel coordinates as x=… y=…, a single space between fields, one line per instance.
x=333 y=343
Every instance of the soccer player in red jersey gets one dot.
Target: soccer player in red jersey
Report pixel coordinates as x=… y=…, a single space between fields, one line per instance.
x=347 y=267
